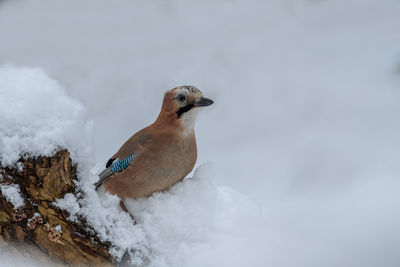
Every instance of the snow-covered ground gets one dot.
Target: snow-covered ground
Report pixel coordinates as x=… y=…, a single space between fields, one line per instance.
x=303 y=138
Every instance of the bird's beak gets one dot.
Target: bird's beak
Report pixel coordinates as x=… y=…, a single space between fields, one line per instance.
x=203 y=102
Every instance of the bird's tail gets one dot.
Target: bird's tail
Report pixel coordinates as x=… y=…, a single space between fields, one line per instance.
x=103 y=176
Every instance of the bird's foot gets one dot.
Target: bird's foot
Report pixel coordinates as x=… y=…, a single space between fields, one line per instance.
x=123 y=207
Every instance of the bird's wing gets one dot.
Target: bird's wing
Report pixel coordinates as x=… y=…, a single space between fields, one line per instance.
x=124 y=157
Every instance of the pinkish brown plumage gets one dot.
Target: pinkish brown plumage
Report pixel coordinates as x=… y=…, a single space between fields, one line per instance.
x=160 y=155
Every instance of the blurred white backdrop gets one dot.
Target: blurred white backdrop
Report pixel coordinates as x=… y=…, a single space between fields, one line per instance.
x=306 y=114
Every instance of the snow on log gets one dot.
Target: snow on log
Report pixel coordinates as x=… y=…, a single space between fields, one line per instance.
x=48 y=205
x=37 y=228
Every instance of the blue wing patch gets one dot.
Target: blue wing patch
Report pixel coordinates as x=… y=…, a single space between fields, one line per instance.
x=120 y=165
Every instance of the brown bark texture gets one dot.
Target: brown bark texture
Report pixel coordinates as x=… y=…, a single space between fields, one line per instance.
x=47 y=237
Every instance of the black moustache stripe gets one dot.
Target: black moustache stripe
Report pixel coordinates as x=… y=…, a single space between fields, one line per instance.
x=184 y=109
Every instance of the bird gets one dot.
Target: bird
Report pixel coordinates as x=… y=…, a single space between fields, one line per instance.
x=161 y=154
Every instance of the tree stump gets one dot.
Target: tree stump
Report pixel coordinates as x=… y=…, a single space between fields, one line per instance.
x=38 y=229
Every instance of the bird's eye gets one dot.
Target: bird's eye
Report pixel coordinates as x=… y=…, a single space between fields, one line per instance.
x=181 y=98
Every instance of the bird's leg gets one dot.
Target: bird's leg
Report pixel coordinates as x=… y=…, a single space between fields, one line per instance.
x=123 y=207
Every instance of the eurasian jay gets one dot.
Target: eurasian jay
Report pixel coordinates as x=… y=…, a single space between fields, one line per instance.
x=160 y=155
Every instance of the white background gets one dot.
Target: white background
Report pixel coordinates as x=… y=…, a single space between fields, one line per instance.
x=306 y=116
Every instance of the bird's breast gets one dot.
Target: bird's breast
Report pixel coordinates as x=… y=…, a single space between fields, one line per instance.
x=174 y=160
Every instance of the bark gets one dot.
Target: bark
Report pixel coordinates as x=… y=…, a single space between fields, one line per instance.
x=42 y=181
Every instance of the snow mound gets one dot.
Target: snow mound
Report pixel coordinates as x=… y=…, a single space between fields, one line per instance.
x=37 y=117
x=198 y=223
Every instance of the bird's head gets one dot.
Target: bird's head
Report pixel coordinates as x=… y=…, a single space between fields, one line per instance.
x=183 y=103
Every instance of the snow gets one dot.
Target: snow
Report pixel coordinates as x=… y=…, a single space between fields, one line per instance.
x=194 y=222
x=36 y=214
x=10 y=258
x=12 y=194
x=58 y=228
x=69 y=203
x=102 y=212
x=30 y=125
x=20 y=166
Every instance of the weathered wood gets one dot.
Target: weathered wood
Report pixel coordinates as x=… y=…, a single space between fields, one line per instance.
x=43 y=180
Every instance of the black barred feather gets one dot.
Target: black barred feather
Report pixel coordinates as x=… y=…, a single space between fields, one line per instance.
x=113 y=166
